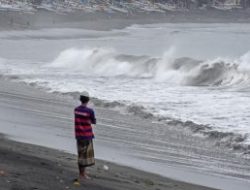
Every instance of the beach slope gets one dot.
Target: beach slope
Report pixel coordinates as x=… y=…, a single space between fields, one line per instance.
x=25 y=167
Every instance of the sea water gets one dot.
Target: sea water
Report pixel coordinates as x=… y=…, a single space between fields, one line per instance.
x=177 y=72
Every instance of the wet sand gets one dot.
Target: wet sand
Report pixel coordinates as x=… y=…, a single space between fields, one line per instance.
x=31 y=115
x=26 y=167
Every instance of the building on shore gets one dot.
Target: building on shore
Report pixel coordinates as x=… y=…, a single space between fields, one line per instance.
x=137 y=4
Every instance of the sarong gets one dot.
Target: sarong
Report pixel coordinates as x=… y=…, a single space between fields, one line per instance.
x=85 y=150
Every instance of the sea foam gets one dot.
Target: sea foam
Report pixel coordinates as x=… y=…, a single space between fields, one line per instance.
x=168 y=68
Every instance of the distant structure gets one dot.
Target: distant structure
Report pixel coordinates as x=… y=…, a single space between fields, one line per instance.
x=205 y=3
x=245 y=3
x=128 y=5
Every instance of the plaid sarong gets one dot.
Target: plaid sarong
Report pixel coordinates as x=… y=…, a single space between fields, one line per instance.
x=85 y=150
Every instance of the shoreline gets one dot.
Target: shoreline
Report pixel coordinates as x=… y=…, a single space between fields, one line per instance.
x=52 y=113
x=26 y=166
x=18 y=20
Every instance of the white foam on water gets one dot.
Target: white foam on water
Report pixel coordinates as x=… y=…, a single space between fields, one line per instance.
x=167 y=84
x=175 y=71
x=172 y=85
x=99 y=62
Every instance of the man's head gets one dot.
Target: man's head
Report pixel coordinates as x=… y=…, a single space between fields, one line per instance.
x=84 y=97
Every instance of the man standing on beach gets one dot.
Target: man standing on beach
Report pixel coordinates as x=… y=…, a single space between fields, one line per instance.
x=84 y=117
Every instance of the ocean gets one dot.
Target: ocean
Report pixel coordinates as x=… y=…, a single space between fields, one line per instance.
x=191 y=73
x=184 y=80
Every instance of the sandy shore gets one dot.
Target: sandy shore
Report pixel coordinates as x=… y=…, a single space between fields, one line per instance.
x=25 y=166
x=10 y=20
x=33 y=116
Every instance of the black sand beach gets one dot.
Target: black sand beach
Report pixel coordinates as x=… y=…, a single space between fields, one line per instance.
x=24 y=110
x=26 y=167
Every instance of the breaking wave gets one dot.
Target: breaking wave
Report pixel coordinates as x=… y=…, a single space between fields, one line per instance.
x=103 y=62
x=168 y=68
x=182 y=71
x=234 y=141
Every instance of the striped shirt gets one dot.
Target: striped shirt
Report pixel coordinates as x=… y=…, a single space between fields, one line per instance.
x=84 y=117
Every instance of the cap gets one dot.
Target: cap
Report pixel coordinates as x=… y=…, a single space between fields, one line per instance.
x=85 y=94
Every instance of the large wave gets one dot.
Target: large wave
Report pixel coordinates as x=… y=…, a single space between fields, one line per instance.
x=168 y=68
x=188 y=71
